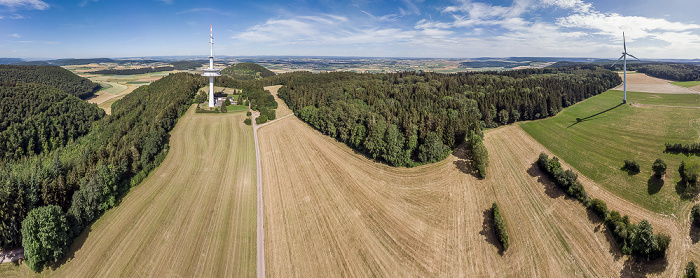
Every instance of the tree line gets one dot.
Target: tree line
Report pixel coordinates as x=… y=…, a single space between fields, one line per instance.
x=133 y=71
x=54 y=76
x=692 y=148
x=675 y=72
x=85 y=178
x=36 y=118
x=410 y=118
x=638 y=240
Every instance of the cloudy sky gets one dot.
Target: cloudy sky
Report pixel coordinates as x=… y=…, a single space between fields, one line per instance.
x=398 y=28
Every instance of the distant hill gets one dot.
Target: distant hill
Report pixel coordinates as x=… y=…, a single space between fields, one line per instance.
x=133 y=71
x=188 y=65
x=7 y=61
x=54 y=76
x=70 y=62
x=247 y=71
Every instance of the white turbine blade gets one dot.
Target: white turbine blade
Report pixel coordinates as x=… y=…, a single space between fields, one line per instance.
x=618 y=60
x=624 y=42
x=634 y=57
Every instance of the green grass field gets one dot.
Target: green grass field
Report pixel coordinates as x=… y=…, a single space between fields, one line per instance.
x=112 y=88
x=609 y=132
x=236 y=108
x=687 y=84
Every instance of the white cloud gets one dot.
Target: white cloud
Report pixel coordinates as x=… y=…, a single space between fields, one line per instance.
x=14 y=35
x=28 y=4
x=576 y=5
x=613 y=24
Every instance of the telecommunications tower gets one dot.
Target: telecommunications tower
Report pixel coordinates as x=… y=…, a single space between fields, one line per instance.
x=211 y=71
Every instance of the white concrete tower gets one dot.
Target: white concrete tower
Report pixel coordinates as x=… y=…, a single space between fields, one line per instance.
x=211 y=71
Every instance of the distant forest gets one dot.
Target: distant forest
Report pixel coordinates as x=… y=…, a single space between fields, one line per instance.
x=133 y=71
x=188 y=65
x=675 y=72
x=54 y=76
x=408 y=118
x=247 y=71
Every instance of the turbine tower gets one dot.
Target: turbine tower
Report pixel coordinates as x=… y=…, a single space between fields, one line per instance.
x=624 y=67
x=211 y=71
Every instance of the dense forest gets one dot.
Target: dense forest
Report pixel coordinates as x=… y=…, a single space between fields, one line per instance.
x=85 y=177
x=247 y=71
x=411 y=118
x=37 y=118
x=133 y=71
x=53 y=76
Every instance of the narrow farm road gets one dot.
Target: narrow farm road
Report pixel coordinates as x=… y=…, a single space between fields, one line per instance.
x=258 y=180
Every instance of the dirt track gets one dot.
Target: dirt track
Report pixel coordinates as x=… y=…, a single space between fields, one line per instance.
x=331 y=212
x=639 y=82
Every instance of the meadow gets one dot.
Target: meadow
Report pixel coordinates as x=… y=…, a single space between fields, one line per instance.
x=596 y=135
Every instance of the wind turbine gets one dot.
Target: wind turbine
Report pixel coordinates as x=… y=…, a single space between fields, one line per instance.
x=624 y=67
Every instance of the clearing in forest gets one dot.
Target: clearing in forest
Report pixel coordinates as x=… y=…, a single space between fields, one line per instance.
x=193 y=216
x=282 y=109
x=332 y=212
x=598 y=134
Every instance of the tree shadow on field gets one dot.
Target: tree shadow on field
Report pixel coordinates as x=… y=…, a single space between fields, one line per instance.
x=686 y=190
x=464 y=162
x=551 y=189
x=654 y=184
x=694 y=233
x=591 y=117
x=75 y=247
x=489 y=232
x=635 y=267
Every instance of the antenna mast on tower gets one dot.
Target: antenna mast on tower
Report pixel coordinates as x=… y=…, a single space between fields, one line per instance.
x=211 y=71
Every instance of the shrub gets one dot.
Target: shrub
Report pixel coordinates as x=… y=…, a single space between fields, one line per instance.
x=261 y=119
x=691 y=271
x=567 y=180
x=247 y=121
x=44 y=236
x=695 y=214
x=631 y=166
x=500 y=227
x=659 y=167
x=248 y=113
x=690 y=170
x=479 y=153
x=600 y=209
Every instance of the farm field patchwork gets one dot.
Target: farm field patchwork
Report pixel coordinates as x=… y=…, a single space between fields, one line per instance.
x=609 y=132
x=193 y=216
x=332 y=212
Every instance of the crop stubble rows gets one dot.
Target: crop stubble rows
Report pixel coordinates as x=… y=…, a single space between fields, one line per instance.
x=194 y=216
x=330 y=211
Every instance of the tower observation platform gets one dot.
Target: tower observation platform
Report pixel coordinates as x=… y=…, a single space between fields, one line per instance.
x=211 y=71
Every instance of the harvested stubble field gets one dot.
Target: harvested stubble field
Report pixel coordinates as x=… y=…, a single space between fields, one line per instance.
x=194 y=216
x=332 y=212
x=282 y=109
x=639 y=82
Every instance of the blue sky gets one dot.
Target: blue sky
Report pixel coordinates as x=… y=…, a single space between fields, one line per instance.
x=400 y=28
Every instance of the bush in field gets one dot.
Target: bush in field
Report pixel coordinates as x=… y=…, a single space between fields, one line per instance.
x=567 y=180
x=500 y=227
x=631 y=166
x=261 y=119
x=44 y=236
x=599 y=207
x=659 y=167
x=690 y=170
x=691 y=271
x=695 y=214
x=479 y=153
x=247 y=121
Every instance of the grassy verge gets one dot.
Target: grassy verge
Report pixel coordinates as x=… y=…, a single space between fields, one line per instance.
x=687 y=84
x=607 y=133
